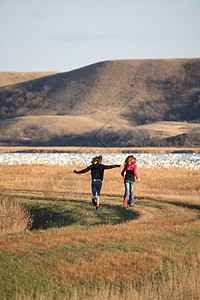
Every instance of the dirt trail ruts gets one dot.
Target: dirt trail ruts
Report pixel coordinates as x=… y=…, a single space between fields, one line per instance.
x=148 y=209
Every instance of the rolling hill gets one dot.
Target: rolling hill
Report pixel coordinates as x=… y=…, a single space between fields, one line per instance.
x=9 y=78
x=111 y=103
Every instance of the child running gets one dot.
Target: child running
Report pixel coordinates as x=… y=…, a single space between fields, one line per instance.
x=97 y=172
x=130 y=168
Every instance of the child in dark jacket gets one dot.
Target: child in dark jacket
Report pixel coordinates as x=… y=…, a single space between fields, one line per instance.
x=129 y=173
x=97 y=173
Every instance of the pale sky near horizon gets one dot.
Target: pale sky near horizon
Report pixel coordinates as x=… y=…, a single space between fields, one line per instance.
x=63 y=35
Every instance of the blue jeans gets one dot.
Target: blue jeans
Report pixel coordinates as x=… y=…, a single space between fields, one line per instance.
x=96 y=188
x=129 y=191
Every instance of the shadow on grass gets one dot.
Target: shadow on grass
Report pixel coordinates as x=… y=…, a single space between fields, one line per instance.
x=52 y=214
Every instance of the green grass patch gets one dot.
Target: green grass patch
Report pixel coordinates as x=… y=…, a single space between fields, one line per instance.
x=52 y=214
x=18 y=273
x=153 y=204
x=40 y=268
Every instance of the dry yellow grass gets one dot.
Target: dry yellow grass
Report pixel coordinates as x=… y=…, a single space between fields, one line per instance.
x=14 y=217
x=182 y=285
x=181 y=184
x=155 y=241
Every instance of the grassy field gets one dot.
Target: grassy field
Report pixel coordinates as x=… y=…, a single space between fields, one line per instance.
x=73 y=251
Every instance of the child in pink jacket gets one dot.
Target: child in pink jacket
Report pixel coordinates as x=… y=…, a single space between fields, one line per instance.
x=129 y=173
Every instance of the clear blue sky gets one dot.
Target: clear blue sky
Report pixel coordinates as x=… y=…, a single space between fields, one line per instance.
x=62 y=35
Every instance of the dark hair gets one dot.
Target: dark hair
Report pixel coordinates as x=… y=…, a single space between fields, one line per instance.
x=96 y=160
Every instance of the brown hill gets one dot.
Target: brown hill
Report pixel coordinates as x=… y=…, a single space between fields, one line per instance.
x=9 y=78
x=112 y=103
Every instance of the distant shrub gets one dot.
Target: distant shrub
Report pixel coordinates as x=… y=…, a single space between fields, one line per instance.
x=13 y=216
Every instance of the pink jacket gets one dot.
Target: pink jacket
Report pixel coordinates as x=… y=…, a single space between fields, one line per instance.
x=131 y=167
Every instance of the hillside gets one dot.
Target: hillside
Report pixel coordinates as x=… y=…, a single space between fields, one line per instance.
x=9 y=78
x=112 y=103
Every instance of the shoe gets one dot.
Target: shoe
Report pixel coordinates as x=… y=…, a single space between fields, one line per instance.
x=125 y=202
x=94 y=201
x=97 y=206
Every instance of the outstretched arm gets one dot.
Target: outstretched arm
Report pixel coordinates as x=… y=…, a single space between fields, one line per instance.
x=111 y=166
x=83 y=171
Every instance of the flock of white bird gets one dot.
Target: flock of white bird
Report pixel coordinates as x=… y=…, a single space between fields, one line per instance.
x=179 y=160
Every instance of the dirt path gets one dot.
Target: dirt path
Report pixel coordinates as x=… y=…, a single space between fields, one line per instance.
x=148 y=209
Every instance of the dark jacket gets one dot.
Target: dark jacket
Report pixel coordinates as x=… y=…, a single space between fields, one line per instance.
x=131 y=172
x=97 y=170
